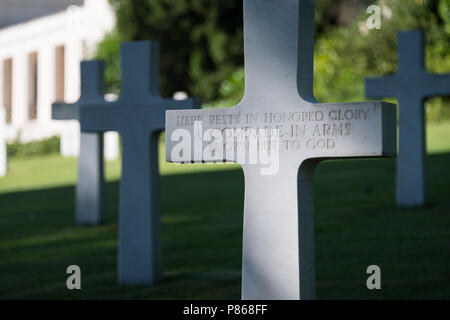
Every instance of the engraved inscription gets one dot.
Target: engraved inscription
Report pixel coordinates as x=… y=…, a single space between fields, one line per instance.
x=296 y=130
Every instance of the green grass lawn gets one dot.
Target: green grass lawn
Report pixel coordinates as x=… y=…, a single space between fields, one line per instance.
x=357 y=225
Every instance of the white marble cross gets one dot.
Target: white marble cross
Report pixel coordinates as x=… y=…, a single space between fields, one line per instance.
x=138 y=115
x=3 y=152
x=278 y=235
x=89 y=188
x=410 y=85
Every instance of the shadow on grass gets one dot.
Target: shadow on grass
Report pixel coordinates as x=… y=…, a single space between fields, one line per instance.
x=357 y=225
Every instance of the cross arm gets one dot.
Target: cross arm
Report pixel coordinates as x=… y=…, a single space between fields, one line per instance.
x=65 y=111
x=366 y=129
x=438 y=85
x=379 y=88
x=189 y=103
x=185 y=126
x=113 y=116
x=157 y=120
x=103 y=116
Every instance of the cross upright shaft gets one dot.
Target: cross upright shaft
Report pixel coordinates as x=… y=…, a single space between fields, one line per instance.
x=278 y=239
x=276 y=63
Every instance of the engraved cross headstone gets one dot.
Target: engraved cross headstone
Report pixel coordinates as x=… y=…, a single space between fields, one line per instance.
x=410 y=85
x=278 y=235
x=138 y=115
x=89 y=188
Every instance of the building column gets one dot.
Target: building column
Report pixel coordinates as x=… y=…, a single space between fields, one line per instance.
x=2 y=75
x=70 y=135
x=46 y=84
x=3 y=153
x=19 y=90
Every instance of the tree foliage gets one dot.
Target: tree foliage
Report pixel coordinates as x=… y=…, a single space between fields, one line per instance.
x=201 y=41
x=202 y=46
x=345 y=56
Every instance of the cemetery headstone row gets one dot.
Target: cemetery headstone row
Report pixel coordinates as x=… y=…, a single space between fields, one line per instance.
x=278 y=133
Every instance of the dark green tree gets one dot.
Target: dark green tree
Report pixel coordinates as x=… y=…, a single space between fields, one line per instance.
x=345 y=55
x=201 y=41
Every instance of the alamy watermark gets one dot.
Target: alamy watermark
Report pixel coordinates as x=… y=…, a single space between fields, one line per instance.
x=74 y=280
x=241 y=145
x=373 y=22
x=374 y=280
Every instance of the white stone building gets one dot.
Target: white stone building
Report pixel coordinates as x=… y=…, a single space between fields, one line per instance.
x=42 y=43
